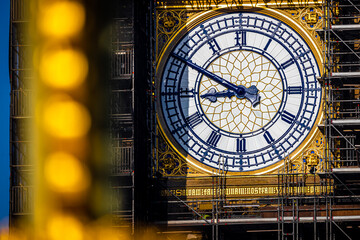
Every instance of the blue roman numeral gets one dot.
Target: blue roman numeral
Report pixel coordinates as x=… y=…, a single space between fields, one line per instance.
x=214 y=46
x=269 y=139
x=287 y=117
x=194 y=120
x=241 y=145
x=213 y=139
x=287 y=63
x=240 y=38
x=294 y=90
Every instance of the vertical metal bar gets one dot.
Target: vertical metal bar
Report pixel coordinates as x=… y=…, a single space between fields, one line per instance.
x=278 y=208
x=315 y=219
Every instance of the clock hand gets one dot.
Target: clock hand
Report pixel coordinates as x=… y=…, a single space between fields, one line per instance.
x=250 y=94
x=207 y=73
x=240 y=91
x=212 y=94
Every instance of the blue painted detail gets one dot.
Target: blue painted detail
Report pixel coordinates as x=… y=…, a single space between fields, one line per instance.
x=214 y=46
x=239 y=162
x=186 y=92
x=178 y=128
x=267 y=45
x=194 y=120
x=275 y=29
x=214 y=138
x=294 y=90
x=287 y=63
x=182 y=52
x=277 y=153
x=302 y=124
x=240 y=38
x=204 y=155
x=182 y=93
x=269 y=139
x=241 y=145
x=287 y=117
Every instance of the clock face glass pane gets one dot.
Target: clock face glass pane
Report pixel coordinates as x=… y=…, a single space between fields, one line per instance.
x=240 y=89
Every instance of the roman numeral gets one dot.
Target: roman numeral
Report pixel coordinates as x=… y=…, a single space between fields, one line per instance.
x=241 y=145
x=294 y=90
x=194 y=120
x=214 y=46
x=287 y=63
x=213 y=139
x=240 y=38
x=287 y=117
x=269 y=139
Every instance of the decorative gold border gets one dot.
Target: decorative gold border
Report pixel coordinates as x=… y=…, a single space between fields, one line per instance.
x=193 y=22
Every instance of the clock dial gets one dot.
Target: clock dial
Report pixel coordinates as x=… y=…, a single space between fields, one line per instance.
x=238 y=88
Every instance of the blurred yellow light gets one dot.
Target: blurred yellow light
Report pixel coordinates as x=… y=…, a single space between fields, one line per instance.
x=64 y=69
x=4 y=234
x=66 y=119
x=62 y=227
x=62 y=19
x=64 y=173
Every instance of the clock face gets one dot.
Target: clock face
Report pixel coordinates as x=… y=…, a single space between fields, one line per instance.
x=239 y=90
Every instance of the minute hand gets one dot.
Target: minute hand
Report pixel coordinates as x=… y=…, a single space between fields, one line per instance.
x=240 y=91
x=207 y=73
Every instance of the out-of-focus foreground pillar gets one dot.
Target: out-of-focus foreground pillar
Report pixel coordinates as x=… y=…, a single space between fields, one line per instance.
x=70 y=119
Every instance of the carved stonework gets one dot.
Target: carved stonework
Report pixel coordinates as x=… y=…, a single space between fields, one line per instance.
x=311 y=157
x=168 y=22
x=309 y=18
x=169 y=162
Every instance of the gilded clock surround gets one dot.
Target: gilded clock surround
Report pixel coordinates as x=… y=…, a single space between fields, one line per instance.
x=303 y=157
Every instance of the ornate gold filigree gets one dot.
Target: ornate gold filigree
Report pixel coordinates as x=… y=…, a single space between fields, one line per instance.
x=310 y=18
x=169 y=162
x=168 y=22
x=312 y=157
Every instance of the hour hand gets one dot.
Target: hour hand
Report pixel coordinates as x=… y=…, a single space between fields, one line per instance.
x=212 y=94
x=250 y=94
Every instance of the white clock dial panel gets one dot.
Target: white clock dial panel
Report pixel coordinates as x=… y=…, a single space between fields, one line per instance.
x=240 y=88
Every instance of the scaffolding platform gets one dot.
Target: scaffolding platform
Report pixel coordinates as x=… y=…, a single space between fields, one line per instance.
x=252 y=220
x=345 y=122
x=345 y=75
x=346 y=27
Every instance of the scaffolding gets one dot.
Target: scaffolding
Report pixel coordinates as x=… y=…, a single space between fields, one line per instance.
x=132 y=123
x=21 y=168
x=122 y=115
